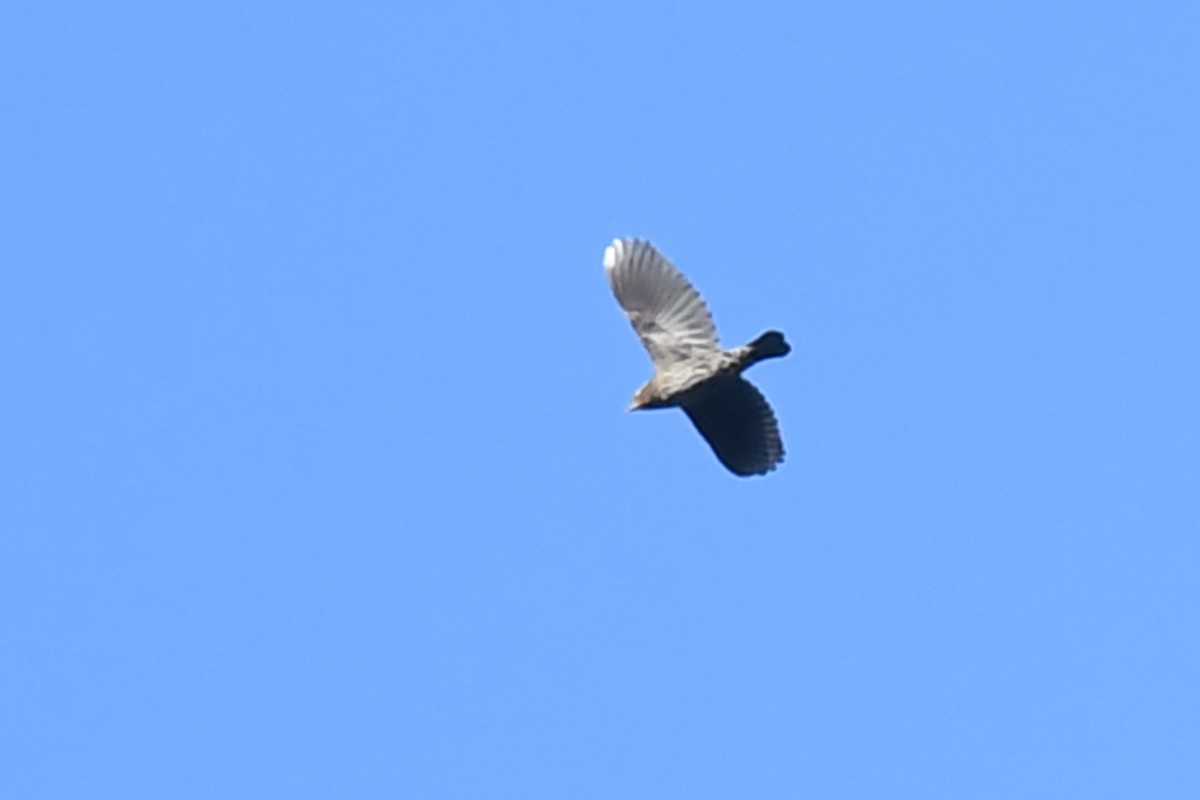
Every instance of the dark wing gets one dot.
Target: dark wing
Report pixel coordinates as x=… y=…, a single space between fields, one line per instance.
x=738 y=423
x=666 y=311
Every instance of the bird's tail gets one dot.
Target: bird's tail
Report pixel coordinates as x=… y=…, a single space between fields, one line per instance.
x=770 y=345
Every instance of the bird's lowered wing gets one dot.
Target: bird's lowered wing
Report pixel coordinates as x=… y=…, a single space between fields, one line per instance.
x=738 y=423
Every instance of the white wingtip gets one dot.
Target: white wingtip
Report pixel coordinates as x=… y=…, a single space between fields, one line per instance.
x=611 y=255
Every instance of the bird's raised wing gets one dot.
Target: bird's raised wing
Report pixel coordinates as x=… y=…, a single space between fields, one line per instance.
x=738 y=423
x=666 y=311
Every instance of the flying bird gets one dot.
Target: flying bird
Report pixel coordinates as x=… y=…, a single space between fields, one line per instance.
x=691 y=370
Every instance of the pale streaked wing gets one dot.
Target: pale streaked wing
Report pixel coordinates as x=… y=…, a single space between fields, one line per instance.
x=666 y=311
x=739 y=424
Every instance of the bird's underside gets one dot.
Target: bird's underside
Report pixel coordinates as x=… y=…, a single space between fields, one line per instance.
x=692 y=371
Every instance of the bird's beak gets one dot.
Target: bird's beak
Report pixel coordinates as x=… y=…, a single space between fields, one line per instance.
x=634 y=405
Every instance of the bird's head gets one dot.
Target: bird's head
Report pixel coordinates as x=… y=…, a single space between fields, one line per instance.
x=645 y=398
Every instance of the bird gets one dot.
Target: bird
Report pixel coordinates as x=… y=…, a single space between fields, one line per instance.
x=691 y=370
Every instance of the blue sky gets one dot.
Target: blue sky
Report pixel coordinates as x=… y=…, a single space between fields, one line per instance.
x=315 y=474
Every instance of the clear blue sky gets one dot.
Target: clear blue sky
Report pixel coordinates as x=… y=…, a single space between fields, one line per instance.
x=316 y=478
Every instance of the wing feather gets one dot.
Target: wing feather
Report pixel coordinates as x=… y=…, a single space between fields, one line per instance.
x=666 y=311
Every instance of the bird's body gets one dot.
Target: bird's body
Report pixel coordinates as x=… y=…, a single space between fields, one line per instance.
x=692 y=371
x=698 y=377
